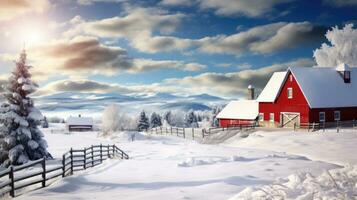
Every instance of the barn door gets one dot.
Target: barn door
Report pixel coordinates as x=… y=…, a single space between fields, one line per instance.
x=289 y=119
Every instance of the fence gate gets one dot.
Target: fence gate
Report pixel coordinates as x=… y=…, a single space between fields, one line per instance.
x=289 y=119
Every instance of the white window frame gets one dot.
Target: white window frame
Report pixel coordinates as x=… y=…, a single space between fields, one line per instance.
x=339 y=115
x=290 y=93
x=261 y=117
x=271 y=117
x=324 y=116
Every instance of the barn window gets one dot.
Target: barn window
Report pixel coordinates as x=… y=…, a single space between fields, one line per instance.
x=337 y=115
x=291 y=78
x=322 y=116
x=261 y=117
x=290 y=93
x=271 y=117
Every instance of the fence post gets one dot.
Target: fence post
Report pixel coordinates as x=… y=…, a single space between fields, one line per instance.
x=337 y=127
x=294 y=127
x=193 y=133
x=184 y=134
x=71 y=152
x=171 y=129
x=101 y=153
x=92 y=154
x=43 y=163
x=161 y=129
x=108 y=152
x=85 y=158
x=12 y=183
x=177 y=132
x=113 y=150
x=63 y=165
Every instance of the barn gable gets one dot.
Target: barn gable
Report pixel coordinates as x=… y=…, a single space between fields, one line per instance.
x=272 y=88
x=325 y=88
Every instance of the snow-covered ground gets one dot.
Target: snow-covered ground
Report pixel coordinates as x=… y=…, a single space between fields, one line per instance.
x=169 y=167
x=329 y=146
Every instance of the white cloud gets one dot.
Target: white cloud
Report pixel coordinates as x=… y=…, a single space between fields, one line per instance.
x=138 y=27
x=148 y=64
x=90 y=2
x=84 y=55
x=10 y=9
x=177 y=2
x=342 y=48
x=262 y=39
x=133 y=24
x=340 y=3
x=223 y=84
x=232 y=84
x=147 y=43
x=250 y=8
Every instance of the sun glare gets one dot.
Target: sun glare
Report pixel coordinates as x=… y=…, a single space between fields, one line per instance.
x=30 y=34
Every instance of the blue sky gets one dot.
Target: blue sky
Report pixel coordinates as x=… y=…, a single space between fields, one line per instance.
x=176 y=46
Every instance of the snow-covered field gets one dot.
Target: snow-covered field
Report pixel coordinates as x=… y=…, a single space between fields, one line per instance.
x=167 y=167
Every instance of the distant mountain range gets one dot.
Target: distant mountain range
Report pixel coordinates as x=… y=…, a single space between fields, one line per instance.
x=74 y=103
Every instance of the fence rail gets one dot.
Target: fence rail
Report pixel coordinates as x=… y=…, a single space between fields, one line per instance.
x=19 y=177
x=338 y=125
x=194 y=133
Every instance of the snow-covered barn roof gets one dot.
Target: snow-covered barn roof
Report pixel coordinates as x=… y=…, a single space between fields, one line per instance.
x=242 y=109
x=324 y=87
x=272 y=88
x=81 y=121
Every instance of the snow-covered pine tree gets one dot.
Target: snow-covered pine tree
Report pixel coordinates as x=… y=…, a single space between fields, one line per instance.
x=20 y=138
x=215 y=111
x=155 y=120
x=45 y=122
x=143 y=123
x=168 y=118
x=191 y=120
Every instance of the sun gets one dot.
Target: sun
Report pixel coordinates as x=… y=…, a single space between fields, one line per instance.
x=30 y=34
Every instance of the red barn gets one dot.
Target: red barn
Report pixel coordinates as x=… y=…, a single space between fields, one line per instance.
x=307 y=95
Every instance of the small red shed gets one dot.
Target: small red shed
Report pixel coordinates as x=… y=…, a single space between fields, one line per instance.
x=309 y=94
x=235 y=113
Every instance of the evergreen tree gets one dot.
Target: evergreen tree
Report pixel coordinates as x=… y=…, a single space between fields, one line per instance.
x=45 y=122
x=155 y=120
x=215 y=111
x=191 y=120
x=143 y=123
x=168 y=118
x=20 y=138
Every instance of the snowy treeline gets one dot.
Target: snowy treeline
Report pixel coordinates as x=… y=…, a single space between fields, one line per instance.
x=20 y=138
x=114 y=119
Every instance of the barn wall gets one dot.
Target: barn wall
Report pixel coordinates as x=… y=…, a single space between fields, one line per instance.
x=234 y=122
x=283 y=104
x=346 y=114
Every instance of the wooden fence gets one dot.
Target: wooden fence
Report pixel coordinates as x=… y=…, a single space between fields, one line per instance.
x=19 y=177
x=231 y=127
x=194 y=133
x=338 y=125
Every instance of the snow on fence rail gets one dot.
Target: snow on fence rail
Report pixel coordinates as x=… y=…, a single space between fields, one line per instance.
x=338 y=125
x=19 y=177
x=195 y=133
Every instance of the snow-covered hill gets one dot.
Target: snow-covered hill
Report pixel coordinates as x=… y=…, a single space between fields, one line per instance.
x=73 y=103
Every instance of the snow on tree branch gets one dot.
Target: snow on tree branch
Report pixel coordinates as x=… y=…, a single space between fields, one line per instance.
x=342 y=48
